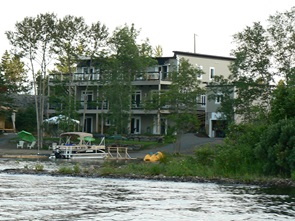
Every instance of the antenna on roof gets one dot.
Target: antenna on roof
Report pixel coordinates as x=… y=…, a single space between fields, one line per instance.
x=195 y=35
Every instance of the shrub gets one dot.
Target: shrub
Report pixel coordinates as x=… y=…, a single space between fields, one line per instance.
x=77 y=168
x=65 y=170
x=276 y=148
x=205 y=155
x=39 y=167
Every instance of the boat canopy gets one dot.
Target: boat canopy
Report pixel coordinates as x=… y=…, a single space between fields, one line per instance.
x=80 y=134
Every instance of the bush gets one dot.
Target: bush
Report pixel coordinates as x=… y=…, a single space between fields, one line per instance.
x=65 y=170
x=39 y=167
x=205 y=155
x=276 y=148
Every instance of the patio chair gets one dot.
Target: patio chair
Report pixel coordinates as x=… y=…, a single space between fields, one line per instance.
x=53 y=146
x=31 y=145
x=20 y=144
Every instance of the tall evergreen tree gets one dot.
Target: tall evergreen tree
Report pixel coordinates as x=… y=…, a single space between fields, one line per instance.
x=14 y=74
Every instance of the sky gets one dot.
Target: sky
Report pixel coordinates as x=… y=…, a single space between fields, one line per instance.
x=203 y=26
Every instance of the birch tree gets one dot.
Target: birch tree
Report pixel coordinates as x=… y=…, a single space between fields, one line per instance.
x=32 y=40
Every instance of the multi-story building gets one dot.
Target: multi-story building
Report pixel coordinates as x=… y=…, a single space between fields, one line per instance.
x=157 y=78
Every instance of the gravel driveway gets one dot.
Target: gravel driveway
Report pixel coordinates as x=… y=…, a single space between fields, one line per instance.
x=189 y=142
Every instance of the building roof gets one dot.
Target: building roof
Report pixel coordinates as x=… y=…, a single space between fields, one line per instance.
x=203 y=55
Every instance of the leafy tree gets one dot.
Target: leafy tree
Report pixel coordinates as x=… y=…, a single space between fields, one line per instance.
x=96 y=42
x=158 y=51
x=225 y=87
x=69 y=44
x=263 y=55
x=32 y=39
x=182 y=98
x=251 y=74
x=282 y=103
x=127 y=59
x=282 y=34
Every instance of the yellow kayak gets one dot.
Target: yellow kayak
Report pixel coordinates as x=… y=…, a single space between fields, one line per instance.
x=154 y=157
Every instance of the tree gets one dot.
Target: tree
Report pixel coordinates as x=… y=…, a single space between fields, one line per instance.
x=182 y=98
x=251 y=74
x=32 y=39
x=224 y=87
x=158 y=51
x=69 y=44
x=127 y=59
x=14 y=74
x=13 y=79
x=96 y=42
x=262 y=57
x=282 y=102
x=282 y=36
x=5 y=100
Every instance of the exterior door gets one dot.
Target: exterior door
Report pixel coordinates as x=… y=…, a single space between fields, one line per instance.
x=163 y=126
x=88 y=125
x=135 y=125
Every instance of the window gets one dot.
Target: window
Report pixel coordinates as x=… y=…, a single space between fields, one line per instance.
x=87 y=95
x=212 y=72
x=199 y=76
x=218 y=99
x=136 y=99
x=203 y=100
x=87 y=98
x=85 y=70
x=107 y=122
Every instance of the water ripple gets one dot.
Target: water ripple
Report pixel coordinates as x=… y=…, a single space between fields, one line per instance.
x=40 y=197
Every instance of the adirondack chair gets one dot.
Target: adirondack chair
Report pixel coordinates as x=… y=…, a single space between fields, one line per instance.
x=31 y=145
x=20 y=144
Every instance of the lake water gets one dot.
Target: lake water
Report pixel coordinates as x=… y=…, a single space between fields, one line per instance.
x=41 y=197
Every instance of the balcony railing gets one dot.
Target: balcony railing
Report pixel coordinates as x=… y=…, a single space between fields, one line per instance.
x=153 y=76
x=91 y=105
x=75 y=77
x=148 y=76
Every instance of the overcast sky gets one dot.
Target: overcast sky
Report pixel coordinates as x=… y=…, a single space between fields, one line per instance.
x=169 y=23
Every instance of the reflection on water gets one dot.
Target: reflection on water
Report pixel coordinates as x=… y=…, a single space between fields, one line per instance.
x=40 y=197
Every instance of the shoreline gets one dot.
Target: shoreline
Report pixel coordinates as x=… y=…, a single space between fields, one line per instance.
x=267 y=182
x=8 y=150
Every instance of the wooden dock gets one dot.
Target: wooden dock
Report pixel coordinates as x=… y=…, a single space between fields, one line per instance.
x=119 y=153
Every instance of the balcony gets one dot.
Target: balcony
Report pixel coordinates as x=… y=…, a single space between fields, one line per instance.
x=84 y=77
x=74 y=77
x=92 y=105
x=153 y=76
